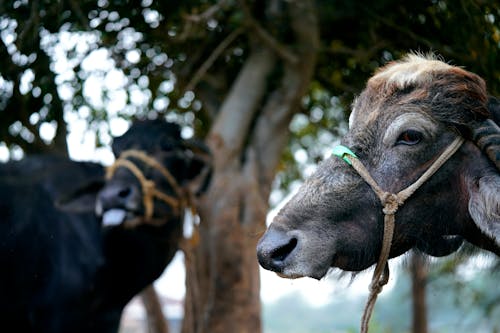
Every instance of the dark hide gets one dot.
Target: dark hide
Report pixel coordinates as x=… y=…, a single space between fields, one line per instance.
x=494 y=107
x=49 y=258
x=408 y=114
x=61 y=270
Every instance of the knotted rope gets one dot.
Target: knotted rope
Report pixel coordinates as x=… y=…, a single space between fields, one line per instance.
x=149 y=190
x=390 y=202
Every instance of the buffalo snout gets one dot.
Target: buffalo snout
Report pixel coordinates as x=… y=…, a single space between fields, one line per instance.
x=287 y=253
x=119 y=195
x=274 y=248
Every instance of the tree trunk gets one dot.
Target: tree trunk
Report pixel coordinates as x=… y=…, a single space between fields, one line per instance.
x=222 y=271
x=156 y=320
x=419 y=273
x=246 y=140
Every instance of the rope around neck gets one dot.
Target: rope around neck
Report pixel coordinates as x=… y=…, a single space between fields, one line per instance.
x=390 y=202
x=149 y=190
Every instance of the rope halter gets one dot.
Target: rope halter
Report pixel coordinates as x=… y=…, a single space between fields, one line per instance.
x=390 y=202
x=149 y=190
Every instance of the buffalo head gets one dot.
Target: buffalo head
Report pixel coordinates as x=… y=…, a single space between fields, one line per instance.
x=155 y=175
x=409 y=112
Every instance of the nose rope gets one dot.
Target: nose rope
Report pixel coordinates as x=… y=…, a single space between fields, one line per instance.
x=390 y=202
x=149 y=190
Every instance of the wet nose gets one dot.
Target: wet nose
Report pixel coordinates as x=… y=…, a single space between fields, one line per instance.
x=119 y=195
x=274 y=248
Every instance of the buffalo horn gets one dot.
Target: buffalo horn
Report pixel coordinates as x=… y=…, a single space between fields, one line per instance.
x=487 y=137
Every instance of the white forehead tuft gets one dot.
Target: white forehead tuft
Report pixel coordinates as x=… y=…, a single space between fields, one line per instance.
x=412 y=69
x=351 y=117
x=353 y=112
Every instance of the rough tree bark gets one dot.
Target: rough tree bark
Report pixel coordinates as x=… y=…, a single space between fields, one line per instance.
x=247 y=138
x=419 y=272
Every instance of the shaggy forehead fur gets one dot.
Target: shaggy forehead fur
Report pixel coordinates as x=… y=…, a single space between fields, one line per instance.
x=411 y=70
x=424 y=81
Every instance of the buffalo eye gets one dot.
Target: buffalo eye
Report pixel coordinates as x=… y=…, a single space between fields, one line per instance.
x=409 y=137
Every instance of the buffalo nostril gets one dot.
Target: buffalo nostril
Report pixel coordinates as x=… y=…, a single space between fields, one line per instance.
x=119 y=196
x=281 y=253
x=276 y=249
x=124 y=193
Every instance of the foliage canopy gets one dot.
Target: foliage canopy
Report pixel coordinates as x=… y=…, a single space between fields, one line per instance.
x=147 y=57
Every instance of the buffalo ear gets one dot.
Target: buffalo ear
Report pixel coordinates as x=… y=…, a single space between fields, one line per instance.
x=81 y=200
x=484 y=205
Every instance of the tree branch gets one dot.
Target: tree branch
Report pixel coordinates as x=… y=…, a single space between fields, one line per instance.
x=155 y=317
x=237 y=112
x=75 y=7
x=271 y=131
x=207 y=14
x=281 y=50
x=361 y=54
x=28 y=25
x=211 y=59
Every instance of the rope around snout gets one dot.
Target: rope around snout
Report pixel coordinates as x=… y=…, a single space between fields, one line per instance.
x=390 y=202
x=149 y=190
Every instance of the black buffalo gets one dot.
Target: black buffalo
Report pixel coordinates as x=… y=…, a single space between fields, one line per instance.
x=62 y=271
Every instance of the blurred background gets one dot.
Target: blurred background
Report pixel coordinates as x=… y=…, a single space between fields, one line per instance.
x=277 y=78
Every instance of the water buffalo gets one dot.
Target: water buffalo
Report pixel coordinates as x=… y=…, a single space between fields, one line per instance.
x=410 y=111
x=62 y=270
x=49 y=258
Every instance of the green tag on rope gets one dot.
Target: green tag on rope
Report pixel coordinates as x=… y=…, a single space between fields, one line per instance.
x=342 y=152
